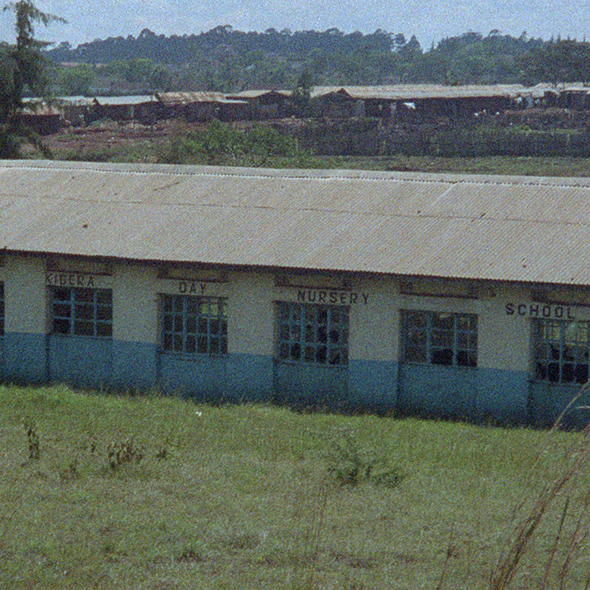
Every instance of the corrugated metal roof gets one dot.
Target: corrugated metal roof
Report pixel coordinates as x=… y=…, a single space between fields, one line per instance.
x=123 y=100
x=180 y=98
x=409 y=92
x=252 y=94
x=478 y=227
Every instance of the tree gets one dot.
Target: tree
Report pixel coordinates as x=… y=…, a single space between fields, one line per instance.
x=558 y=61
x=22 y=66
x=77 y=80
x=301 y=94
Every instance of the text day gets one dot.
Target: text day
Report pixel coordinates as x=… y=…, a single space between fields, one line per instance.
x=192 y=287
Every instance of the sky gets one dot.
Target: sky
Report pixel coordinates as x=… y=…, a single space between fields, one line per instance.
x=429 y=21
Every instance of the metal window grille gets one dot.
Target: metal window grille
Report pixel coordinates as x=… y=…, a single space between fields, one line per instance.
x=439 y=338
x=194 y=325
x=1 y=309
x=315 y=334
x=82 y=312
x=561 y=350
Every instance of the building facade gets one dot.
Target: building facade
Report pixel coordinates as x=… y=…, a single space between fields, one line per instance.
x=450 y=296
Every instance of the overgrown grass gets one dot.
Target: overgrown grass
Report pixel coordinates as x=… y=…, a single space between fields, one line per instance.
x=153 y=492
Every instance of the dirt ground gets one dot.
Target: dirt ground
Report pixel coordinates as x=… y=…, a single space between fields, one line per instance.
x=107 y=136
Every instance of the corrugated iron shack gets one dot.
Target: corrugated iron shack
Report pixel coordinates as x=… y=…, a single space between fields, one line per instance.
x=265 y=104
x=446 y=295
x=43 y=118
x=425 y=100
x=124 y=108
x=200 y=106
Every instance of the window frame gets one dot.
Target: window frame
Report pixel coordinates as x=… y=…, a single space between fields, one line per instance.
x=304 y=338
x=438 y=341
x=561 y=363
x=81 y=310
x=187 y=310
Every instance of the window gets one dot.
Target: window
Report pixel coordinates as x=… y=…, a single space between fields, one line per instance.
x=1 y=309
x=82 y=312
x=561 y=350
x=316 y=334
x=194 y=325
x=438 y=338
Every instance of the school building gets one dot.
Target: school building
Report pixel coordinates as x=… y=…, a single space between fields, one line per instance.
x=449 y=295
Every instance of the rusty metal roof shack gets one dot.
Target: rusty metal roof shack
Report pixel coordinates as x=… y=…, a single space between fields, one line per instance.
x=475 y=227
x=200 y=106
x=265 y=104
x=428 y=99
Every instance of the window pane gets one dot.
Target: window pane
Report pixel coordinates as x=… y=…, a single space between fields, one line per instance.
x=62 y=311
x=442 y=321
x=191 y=344
x=104 y=329
x=561 y=350
x=104 y=313
x=446 y=339
x=83 y=328
x=82 y=312
x=191 y=324
x=202 y=344
x=195 y=324
x=85 y=312
x=61 y=327
x=314 y=334
x=191 y=305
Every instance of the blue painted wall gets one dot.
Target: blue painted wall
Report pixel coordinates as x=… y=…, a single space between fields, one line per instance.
x=475 y=394
x=236 y=377
x=373 y=384
x=457 y=392
x=302 y=384
x=549 y=400
x=80 y=361
x=135 y=365
x=25 y=357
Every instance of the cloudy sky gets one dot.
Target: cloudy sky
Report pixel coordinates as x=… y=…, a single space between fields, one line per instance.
x=429 y=21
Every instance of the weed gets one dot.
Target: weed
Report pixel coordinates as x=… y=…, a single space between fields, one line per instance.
x=350 y=465
x=164 y=450
x=32 y=439
x=122 y=453
x=504 y=573
x=70 y=471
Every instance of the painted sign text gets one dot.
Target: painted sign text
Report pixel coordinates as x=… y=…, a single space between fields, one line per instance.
x=331 y=297
x=69 y=279
x=541 y=310
x=191 y=287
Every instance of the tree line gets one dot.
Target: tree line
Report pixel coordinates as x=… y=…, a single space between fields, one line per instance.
x=228 y=60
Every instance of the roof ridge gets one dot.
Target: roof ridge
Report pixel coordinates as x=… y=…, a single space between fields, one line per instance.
x=276 y=173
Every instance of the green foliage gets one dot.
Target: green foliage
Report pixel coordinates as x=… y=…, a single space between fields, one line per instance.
x=77 y=80
x=22 y=67
x=229 y=60
x=222 y=144
x=351 y=465
x=32 y=439
x=564 y=60
x=121 y=453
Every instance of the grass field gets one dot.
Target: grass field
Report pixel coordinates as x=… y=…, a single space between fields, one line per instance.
x=99 y=491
